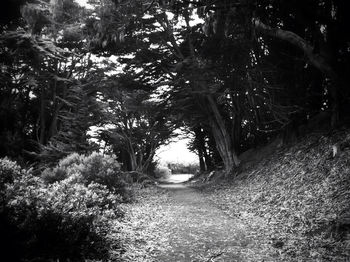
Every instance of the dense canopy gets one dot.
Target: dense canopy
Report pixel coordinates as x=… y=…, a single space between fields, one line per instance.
x=234 y=74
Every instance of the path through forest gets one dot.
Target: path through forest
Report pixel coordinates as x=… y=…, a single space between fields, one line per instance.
x=199 y=230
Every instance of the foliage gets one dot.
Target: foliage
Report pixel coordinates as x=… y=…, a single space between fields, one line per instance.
x=179 y=168
x=162 y=171
x=9 y=170
x=241 y=72
x=45 y=109
x=93 y=168
x=68 y=219
x=78 y=111
x=235 y=73
x=137 y=123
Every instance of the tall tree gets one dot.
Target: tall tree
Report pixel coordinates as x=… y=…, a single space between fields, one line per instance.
x=43 y=63
x=135 y=124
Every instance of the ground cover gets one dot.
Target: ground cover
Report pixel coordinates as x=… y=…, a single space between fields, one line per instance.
x=292 y=206
x=144 y=232
x=295 y=204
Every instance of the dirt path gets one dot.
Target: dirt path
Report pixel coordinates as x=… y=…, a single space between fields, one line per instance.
x=199 y=230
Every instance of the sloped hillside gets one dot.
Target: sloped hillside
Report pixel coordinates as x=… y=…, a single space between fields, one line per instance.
x=296 y=202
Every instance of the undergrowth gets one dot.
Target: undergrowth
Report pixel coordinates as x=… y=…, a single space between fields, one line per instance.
x=70 y=213
x=296 y=203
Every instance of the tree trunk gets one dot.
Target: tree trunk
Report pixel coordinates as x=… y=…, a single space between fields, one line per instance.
x=125 y=160
x=202 y=166
x=207 y=159
x=131 y=152
x=133 y=161
x=149 y=155
x=200 y=146
x=53 y=126
x=222 y=137
x=42 y=116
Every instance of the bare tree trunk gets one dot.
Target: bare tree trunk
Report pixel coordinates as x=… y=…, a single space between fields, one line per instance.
x=202 y=166
x=131 y=152
x=222 y=137
x=200 y=146
x=133 y=161
x=149 y=157
x=208 y=161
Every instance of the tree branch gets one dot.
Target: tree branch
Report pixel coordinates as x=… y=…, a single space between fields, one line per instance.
x=315 y=59
x=148 y=7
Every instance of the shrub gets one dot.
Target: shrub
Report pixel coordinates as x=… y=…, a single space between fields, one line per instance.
x=53 y=175
x=103 y=169
x=162 y=171
x=63 y=220
x=51 y=235
x=74 y=216
x=8 y=171
x=179 y=168
x=94 y=168
x=65 y=167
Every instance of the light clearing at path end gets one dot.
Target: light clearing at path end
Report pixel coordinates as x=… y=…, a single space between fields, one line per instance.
x=176 y=152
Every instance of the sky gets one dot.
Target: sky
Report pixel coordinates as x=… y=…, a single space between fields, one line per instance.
x=83 y=3
x=176 y=152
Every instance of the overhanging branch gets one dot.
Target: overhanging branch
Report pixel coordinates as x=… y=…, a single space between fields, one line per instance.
x=315 y=59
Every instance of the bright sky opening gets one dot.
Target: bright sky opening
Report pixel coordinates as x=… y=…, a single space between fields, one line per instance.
x=83 y=3
x=176 y=152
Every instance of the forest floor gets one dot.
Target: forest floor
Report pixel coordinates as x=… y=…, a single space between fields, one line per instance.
x=186 y=226
x=200 y=231
x=292 y=206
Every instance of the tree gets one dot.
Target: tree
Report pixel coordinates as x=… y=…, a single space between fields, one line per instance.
x=191 y=64
x=43 y=67
x=321 y=35
x=136 y=124
x=234 y=73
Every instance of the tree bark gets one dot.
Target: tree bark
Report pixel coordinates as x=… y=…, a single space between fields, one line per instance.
x=202 y=166
x=133 y=161
x=222 y=137
x=200 y=146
